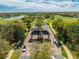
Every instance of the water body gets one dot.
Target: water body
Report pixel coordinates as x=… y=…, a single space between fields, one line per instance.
x=14 y=18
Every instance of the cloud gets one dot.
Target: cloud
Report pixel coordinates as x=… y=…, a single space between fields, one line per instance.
x=41 y=5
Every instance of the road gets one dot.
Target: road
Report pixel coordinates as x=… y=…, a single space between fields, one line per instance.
x=52 y=38
x=26 y=55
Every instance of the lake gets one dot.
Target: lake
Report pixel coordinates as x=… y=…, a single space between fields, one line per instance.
x=14 y=18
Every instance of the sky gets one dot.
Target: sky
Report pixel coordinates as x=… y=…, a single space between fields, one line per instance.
x=39 y=6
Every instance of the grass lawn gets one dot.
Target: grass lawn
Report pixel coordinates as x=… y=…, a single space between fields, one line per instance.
x=75 y=54
x=32 y=24
x=16 y=54
x=67 y=19
x=6 y=21
x=50 y=21
x=63 y=52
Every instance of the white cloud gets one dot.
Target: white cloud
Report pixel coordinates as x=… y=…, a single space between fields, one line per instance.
x=41 y=5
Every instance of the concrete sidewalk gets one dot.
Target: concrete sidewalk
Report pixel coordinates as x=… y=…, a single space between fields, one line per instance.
x=69 y=55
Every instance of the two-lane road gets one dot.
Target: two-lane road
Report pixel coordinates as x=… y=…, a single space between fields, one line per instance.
x=26 y=54
x=52 y=38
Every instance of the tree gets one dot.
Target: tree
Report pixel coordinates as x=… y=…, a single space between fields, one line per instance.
x=27 y=20
x=42 y=51
x=0 y=18
x=13 y=31
x=4 y=48
x=52 y=17
x=39 y=23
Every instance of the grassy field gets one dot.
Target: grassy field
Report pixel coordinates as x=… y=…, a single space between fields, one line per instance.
x=16 y=54
x=67 y=19
x=63 y=52
x=75 y=54
x=6 y=21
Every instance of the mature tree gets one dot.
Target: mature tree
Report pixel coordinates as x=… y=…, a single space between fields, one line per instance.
x=27 y=20
x=42 y=52
x=52 y=17
x=13 y=31
x=4 y=48
x=67 y=32
x=39 y=23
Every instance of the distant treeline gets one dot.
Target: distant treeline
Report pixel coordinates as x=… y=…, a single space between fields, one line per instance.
x=70 y=14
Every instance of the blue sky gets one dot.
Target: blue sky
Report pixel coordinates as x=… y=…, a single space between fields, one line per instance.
x=39 y=5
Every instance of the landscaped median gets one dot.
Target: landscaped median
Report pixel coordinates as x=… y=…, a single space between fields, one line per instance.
x=32 y=24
